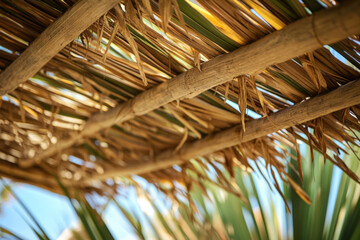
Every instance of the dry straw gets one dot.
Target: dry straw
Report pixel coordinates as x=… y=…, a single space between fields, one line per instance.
x=149 y=84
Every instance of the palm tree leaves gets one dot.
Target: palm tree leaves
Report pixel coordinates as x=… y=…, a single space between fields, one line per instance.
x=219 y=214
x=327 y=190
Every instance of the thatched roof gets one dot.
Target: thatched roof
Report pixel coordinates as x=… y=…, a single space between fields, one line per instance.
x=150 y=84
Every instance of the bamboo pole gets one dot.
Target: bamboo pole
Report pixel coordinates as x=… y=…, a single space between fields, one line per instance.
x=65 y=29
x=306 y=35
x=343 y=97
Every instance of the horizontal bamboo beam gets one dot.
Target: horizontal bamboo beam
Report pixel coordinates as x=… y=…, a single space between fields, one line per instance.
x=343 y=97
x=51 y=41
x=305 y=35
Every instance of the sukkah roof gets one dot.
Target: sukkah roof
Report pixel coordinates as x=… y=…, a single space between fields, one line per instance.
x=104 y=106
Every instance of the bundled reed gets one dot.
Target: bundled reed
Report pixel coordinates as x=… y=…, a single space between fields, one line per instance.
x=150 y=84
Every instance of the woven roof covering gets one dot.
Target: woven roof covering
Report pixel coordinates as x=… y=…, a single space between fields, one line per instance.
x=153 y=84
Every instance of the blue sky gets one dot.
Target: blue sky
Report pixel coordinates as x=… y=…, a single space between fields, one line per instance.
x=54 y=213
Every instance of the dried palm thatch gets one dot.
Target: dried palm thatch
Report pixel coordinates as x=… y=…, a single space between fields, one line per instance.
x=151 y=84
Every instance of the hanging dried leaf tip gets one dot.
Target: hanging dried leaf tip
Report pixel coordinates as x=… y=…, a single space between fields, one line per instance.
x=124 y=30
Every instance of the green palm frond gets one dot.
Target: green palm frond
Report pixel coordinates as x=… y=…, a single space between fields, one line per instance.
x=210 y=211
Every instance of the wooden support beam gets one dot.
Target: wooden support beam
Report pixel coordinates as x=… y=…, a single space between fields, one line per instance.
x=61 y=32
x=306 y=35
x=343 y=97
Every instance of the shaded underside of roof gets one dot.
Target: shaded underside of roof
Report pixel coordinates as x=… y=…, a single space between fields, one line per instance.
x=137 y=46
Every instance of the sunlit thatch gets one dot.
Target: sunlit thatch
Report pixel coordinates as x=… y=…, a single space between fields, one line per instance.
x=55 y=123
